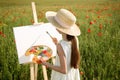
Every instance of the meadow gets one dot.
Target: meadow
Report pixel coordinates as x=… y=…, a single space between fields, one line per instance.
x=99 y=42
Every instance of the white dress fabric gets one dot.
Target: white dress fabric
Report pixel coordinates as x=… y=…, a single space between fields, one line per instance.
x=72 y=74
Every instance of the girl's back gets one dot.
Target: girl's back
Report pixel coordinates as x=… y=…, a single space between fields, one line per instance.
x=72 y=74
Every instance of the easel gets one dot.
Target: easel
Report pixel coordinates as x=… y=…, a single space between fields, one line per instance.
x=34 y=67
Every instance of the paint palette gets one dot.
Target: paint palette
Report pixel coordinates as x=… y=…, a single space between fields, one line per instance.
x=39 y=51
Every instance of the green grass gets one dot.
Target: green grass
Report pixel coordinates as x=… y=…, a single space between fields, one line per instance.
x=99 y=42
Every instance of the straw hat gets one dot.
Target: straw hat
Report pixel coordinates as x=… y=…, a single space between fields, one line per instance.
x=64 y=21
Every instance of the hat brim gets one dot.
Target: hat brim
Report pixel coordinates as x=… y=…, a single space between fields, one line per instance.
x=74 y=30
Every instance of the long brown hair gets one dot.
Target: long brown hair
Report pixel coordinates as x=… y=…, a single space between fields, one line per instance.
x=75 y=55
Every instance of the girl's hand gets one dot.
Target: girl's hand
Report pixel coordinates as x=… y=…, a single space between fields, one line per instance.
x=53 y=38
x=55 y=41
x=43 y=62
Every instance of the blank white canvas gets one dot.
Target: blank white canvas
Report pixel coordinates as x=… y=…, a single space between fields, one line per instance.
x=31 y=35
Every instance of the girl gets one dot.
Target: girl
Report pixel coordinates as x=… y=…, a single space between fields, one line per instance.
x=67 y=59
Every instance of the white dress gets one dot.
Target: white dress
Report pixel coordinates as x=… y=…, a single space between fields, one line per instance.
x=72 y=74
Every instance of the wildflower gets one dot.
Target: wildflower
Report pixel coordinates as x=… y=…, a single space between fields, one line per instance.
x=40 y=16
x=90 y=10
x=99 y=34
x=1 y=33
x=100 y=26
x=32 y=21
x=89 y=30
x=109 y=15
x=110 y=21
x=99 y=16
x=98 y=12
x=81 y=73
x=91 y=22
x=94 y=21
x=87 y=16
x=105 y=8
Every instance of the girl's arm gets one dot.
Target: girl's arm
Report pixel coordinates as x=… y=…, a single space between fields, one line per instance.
x=63 y=67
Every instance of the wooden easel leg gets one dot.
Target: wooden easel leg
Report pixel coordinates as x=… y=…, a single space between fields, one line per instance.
x=44 y=72
x=36 y=69
x=53 y=60
x=32 y=71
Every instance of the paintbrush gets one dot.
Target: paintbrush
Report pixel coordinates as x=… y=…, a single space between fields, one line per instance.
x=54 y=39
x=49 y=34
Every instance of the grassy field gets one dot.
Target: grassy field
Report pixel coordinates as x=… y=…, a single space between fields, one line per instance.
x=99 y=21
